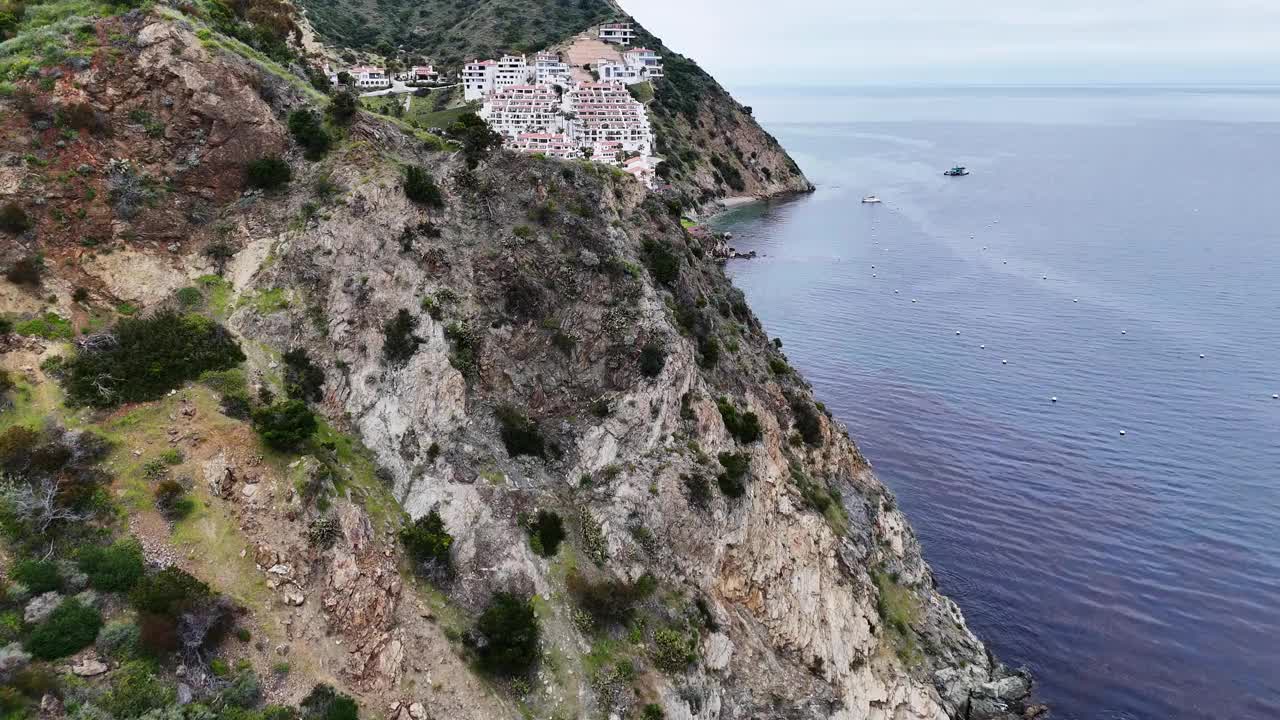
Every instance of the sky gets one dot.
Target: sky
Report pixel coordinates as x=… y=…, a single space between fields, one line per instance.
x=823 y=42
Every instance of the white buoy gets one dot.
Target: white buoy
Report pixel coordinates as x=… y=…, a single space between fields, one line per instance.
x=984 y=247
x=1075 y=300
x=957 y=332
x=874 y=275
x=895 y=292
x=1004 y=362
x=1122 y=432
x=1201 y=356
x=914 y=300
x=1006 y=262
x=1275 y=396
x=1124 y=332
x=982 y=347
x=1044 y=277
x=1053 y=399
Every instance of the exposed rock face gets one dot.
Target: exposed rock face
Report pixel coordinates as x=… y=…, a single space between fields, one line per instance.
x=40 y=607
x=796 y=593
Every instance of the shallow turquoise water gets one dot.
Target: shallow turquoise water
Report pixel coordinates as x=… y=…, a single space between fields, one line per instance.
x=1105 y=240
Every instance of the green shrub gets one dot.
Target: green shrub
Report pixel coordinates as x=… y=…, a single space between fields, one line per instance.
x=653 y=357
x=149 y=357
x=609 y=601
x=343 y=108
x=546 y=532
x=135 y=691
x=399 y=343
x=807 y=421
x=13 y=219
x=475 y=136
x=26 y=271
x=708 y=352
x=114 y=568
x=189 y=296
x=674 y=651
x=779 y=367
x=520 y=434
x=303 y=379
x=421 y=188
x=506 y=635
x=243 y=692
x=663 y=264
x=119 y=641
x=268 y=173
x=286 y=425
x=172 y=501
x=308 y=131
x=652 y=711
x=744 y=426
x=50 y=326
x=39 y=576
x=428 y=542
x=70 y=627
x=168 y=592
x=325 y=703
x=732 y=480
x=323 y=532
x=699 y=490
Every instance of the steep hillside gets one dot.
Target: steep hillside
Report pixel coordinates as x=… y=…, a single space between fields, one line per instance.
x=713 y=147
x=452 y=32
x=392 y=426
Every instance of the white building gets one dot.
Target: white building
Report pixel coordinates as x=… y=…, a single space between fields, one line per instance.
x=556 y=145
x=478 y=79
x=610 y=71
x=368 y=76
x=521 y=109
x=423 y=73
x=512 y=70
x=606 y=112
x=619 y=33
x=550 y=69
x=648 y=61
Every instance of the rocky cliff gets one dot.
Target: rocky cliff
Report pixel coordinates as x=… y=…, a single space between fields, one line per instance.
x=533 y=336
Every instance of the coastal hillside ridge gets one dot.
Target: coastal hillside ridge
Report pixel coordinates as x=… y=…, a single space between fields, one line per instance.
x=307 y=411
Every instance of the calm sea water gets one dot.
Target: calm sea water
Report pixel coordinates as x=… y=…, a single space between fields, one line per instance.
x=1105 y=240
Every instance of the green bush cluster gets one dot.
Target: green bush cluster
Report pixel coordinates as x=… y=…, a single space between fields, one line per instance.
x=546 y=532
x=308 y=131
x=743 y=426
x=13 y=219
x=609 y=601
x=807 y=422
x=70 y=627
x=303 y=379
x=733 y=480
x=146 y=357
x=399 y=343
x=26 y=271
x=286 y=425
x=653 y=357
x=506 y=635
x=325 y=703
x=172 y=501
x=268 y=173
x=663 y=264
x=519 y=433
x=674 y=650
x=421 y=188
x=38 y=576
x=428 y=542
x=135 y=691
x=113 y=568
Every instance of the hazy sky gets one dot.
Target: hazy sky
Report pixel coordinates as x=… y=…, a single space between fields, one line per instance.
x=825 y=41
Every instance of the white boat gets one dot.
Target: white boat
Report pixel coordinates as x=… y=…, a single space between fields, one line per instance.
x=871 y=199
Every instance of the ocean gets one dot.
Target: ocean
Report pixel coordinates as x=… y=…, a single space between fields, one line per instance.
x=1116 y=249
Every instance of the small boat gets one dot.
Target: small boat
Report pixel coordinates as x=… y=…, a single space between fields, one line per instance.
x=871 y=199
x=957 y=171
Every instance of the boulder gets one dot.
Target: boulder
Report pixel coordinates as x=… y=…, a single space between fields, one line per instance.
x=89 y=667
x=220 y=475
x=13 y=658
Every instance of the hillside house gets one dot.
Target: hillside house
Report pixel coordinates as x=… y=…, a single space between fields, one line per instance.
x=423 y=74
x=606 y=112
x=618 y=33
x=368 y=76
x=644 y=59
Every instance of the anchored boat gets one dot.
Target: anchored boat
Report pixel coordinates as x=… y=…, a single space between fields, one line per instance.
x=871 y=199
x=957 y=171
